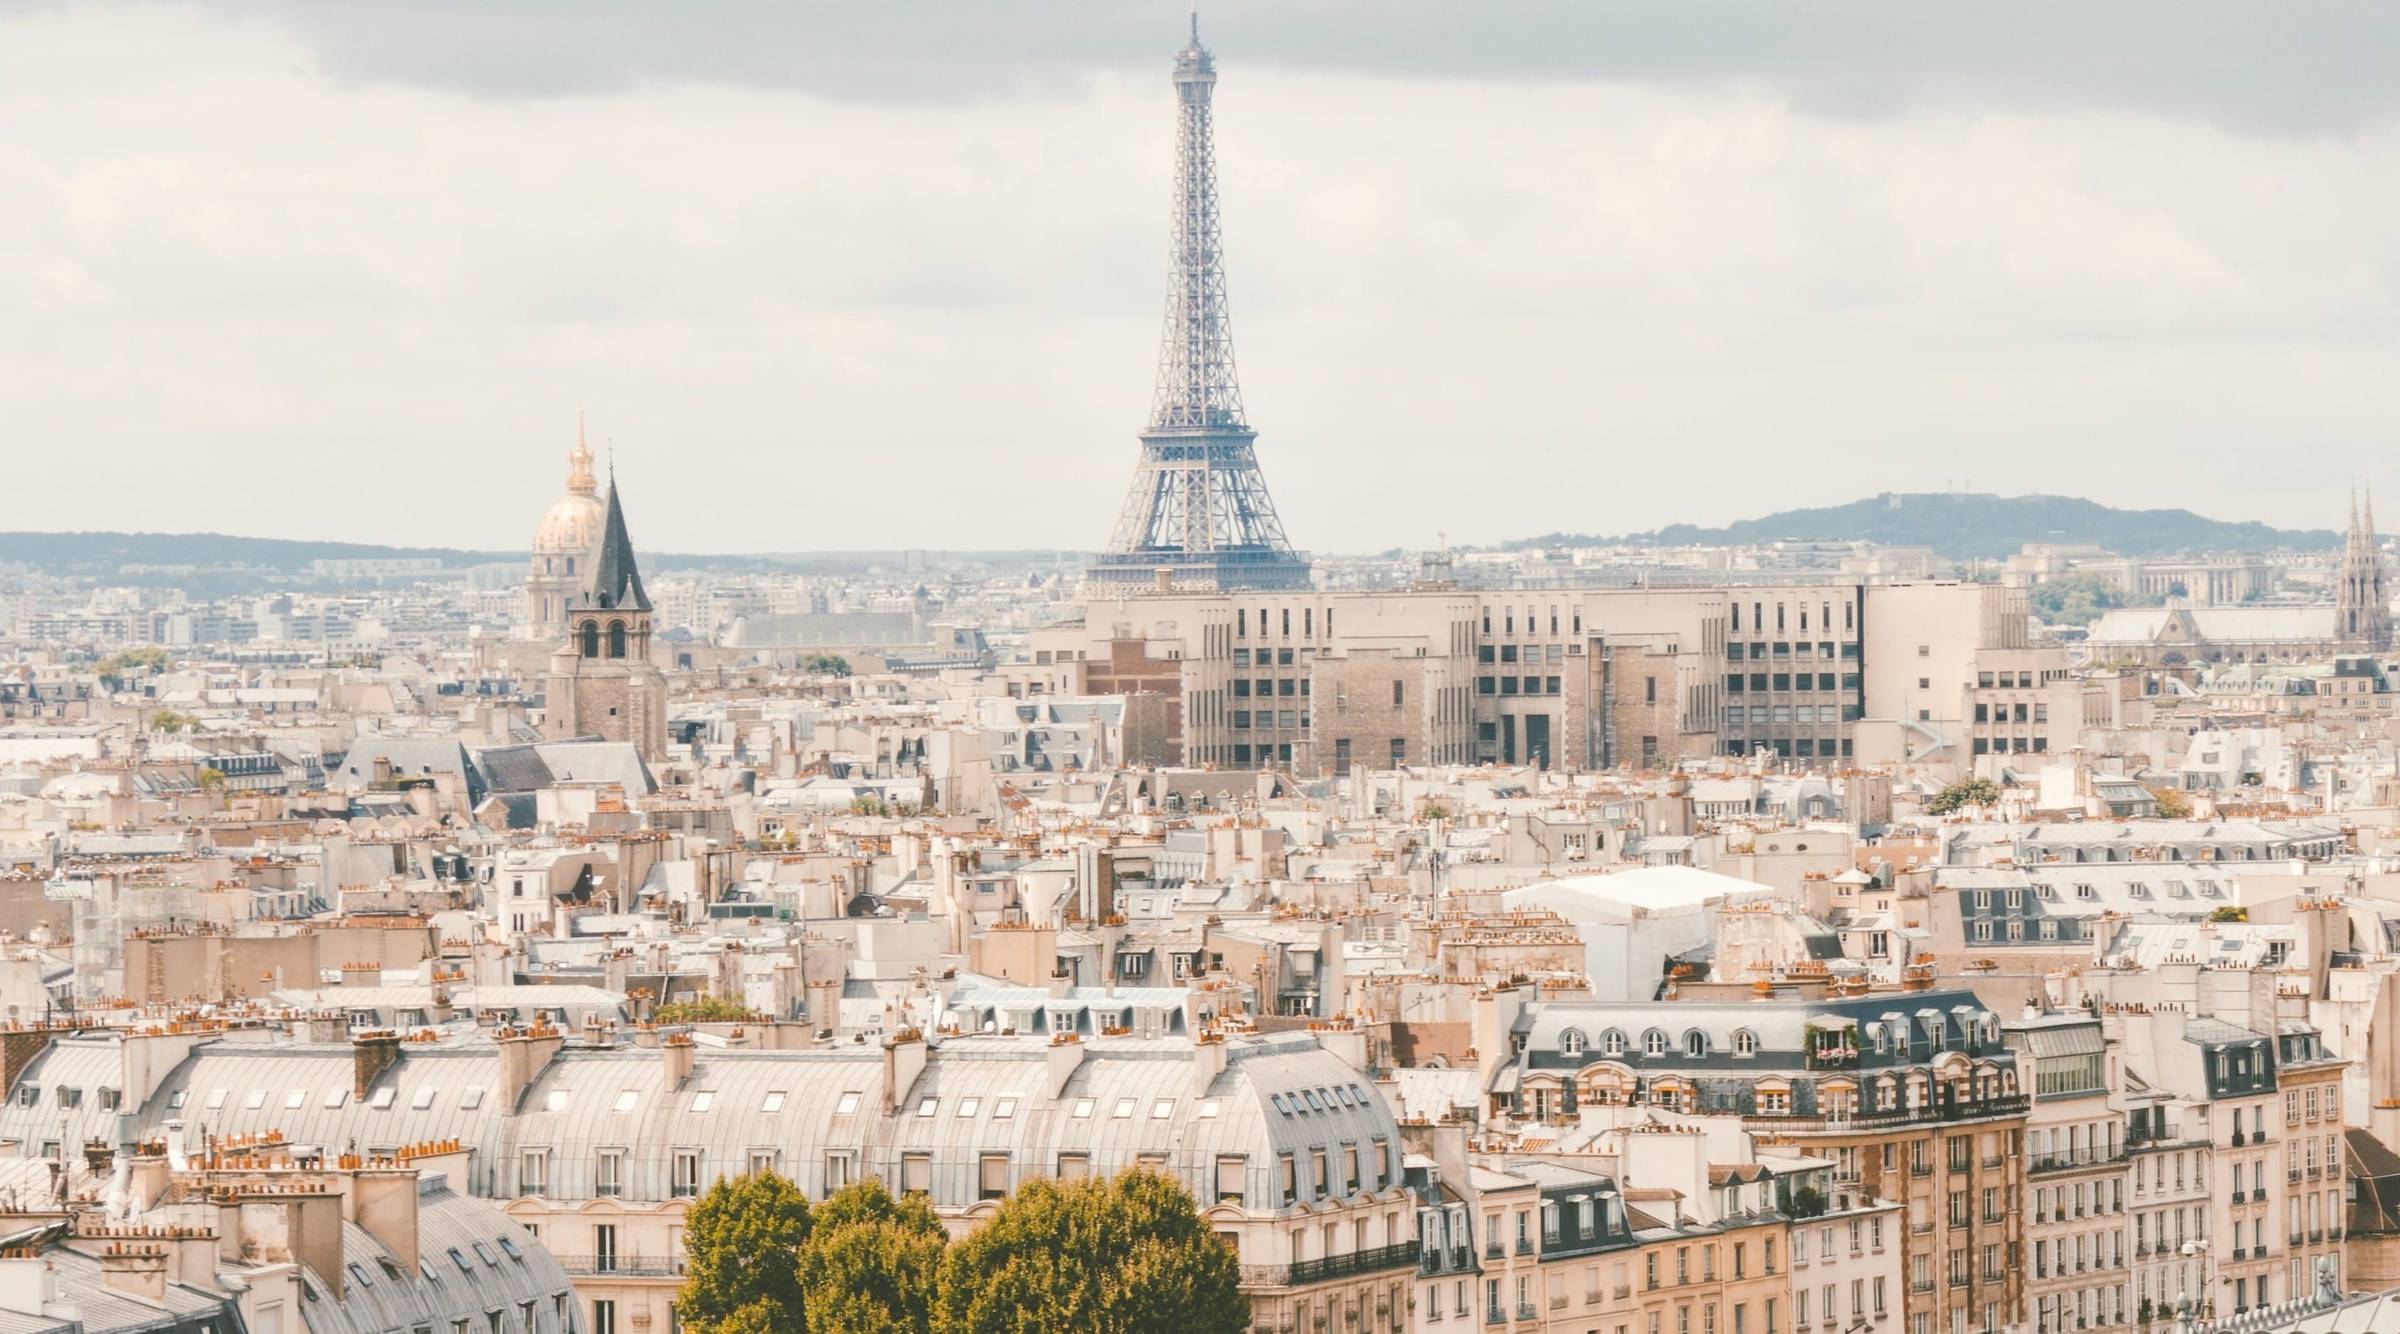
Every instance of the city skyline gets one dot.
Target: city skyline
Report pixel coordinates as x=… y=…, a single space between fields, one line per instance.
x=360 y=268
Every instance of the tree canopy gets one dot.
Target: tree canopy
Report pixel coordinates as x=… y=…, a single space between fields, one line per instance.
x=872 y=1263
x=1963 y=793
x=1113 y=1256
x=741 y=1246
x=2074 y=599
x=703 y=1010
x=1118 y=1255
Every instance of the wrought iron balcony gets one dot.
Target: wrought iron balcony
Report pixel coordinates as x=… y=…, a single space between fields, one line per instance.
x=1301 y=1272
x=628 y=1266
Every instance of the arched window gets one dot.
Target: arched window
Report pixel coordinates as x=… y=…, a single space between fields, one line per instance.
x=616 y=639
x=1654 y=1043
x=1612 y=1043
x=591 y=639
x=1695 y=1043
x=1745 y=1042
x=1570 y=1043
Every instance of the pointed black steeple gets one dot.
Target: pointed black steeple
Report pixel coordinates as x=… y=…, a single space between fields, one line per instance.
x=616 y=581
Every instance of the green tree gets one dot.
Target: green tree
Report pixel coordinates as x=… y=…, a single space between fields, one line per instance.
x=2172 y=805
x=1963 y=793
x=872 y=1263
x=704 y=1010
x=2076 y=599
x=171 y=722
x=826 y=664
x=741 y=1246
x=212 y=780
x=2231 y=912
x=1128 y=1253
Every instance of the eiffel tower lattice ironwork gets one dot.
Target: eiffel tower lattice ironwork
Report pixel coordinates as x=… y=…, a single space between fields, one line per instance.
x=1198 y=508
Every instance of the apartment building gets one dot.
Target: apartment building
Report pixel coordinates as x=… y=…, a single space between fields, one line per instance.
x=2076 y=1175
x=2256 y=1115
x=599 y=1150
x=1845 y=1267
x=1912 y=1094
x=1575 y=678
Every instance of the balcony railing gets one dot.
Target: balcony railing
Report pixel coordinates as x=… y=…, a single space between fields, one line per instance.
x=2060 y=1162
x=631 y=1266
x=1301 y=1272
x=2013 y=1105
x=1436 y=1259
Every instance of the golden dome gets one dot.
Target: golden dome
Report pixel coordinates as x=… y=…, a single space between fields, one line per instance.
x=572 y=527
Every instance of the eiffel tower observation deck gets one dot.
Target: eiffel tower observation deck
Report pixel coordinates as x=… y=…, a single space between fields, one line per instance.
x=1198 y=510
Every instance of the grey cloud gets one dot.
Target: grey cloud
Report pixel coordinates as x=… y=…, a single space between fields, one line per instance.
x=2322 y=67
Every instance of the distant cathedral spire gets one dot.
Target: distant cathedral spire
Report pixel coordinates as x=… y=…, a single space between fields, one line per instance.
x=2362 y=603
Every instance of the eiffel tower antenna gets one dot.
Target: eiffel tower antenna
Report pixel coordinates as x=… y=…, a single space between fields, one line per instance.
x=1198 y=509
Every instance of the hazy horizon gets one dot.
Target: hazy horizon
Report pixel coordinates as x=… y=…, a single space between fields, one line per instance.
x=888 y=277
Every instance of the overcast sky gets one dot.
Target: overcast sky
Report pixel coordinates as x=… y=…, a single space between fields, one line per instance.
x=888 y=274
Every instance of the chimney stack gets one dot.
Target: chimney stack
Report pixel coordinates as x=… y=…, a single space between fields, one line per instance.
x=676 y=1049
x=371 y=1054
x=383 y=1200
x=903 y=1061
x=1208 y=1061
x=524 y=1054
x=1065 y=1057
x=136 y=1268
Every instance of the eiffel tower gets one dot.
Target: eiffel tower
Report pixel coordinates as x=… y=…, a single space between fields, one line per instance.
x=1198 y=510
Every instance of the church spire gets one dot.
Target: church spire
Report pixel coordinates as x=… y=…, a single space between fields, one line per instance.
x=2362 y=599
x=616 y=579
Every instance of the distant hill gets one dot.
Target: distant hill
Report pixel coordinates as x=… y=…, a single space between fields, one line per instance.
x=1966 y=526
x=83 y=552
x=218 y=563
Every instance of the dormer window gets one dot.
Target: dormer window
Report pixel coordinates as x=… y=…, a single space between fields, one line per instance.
x=1570 y=1043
